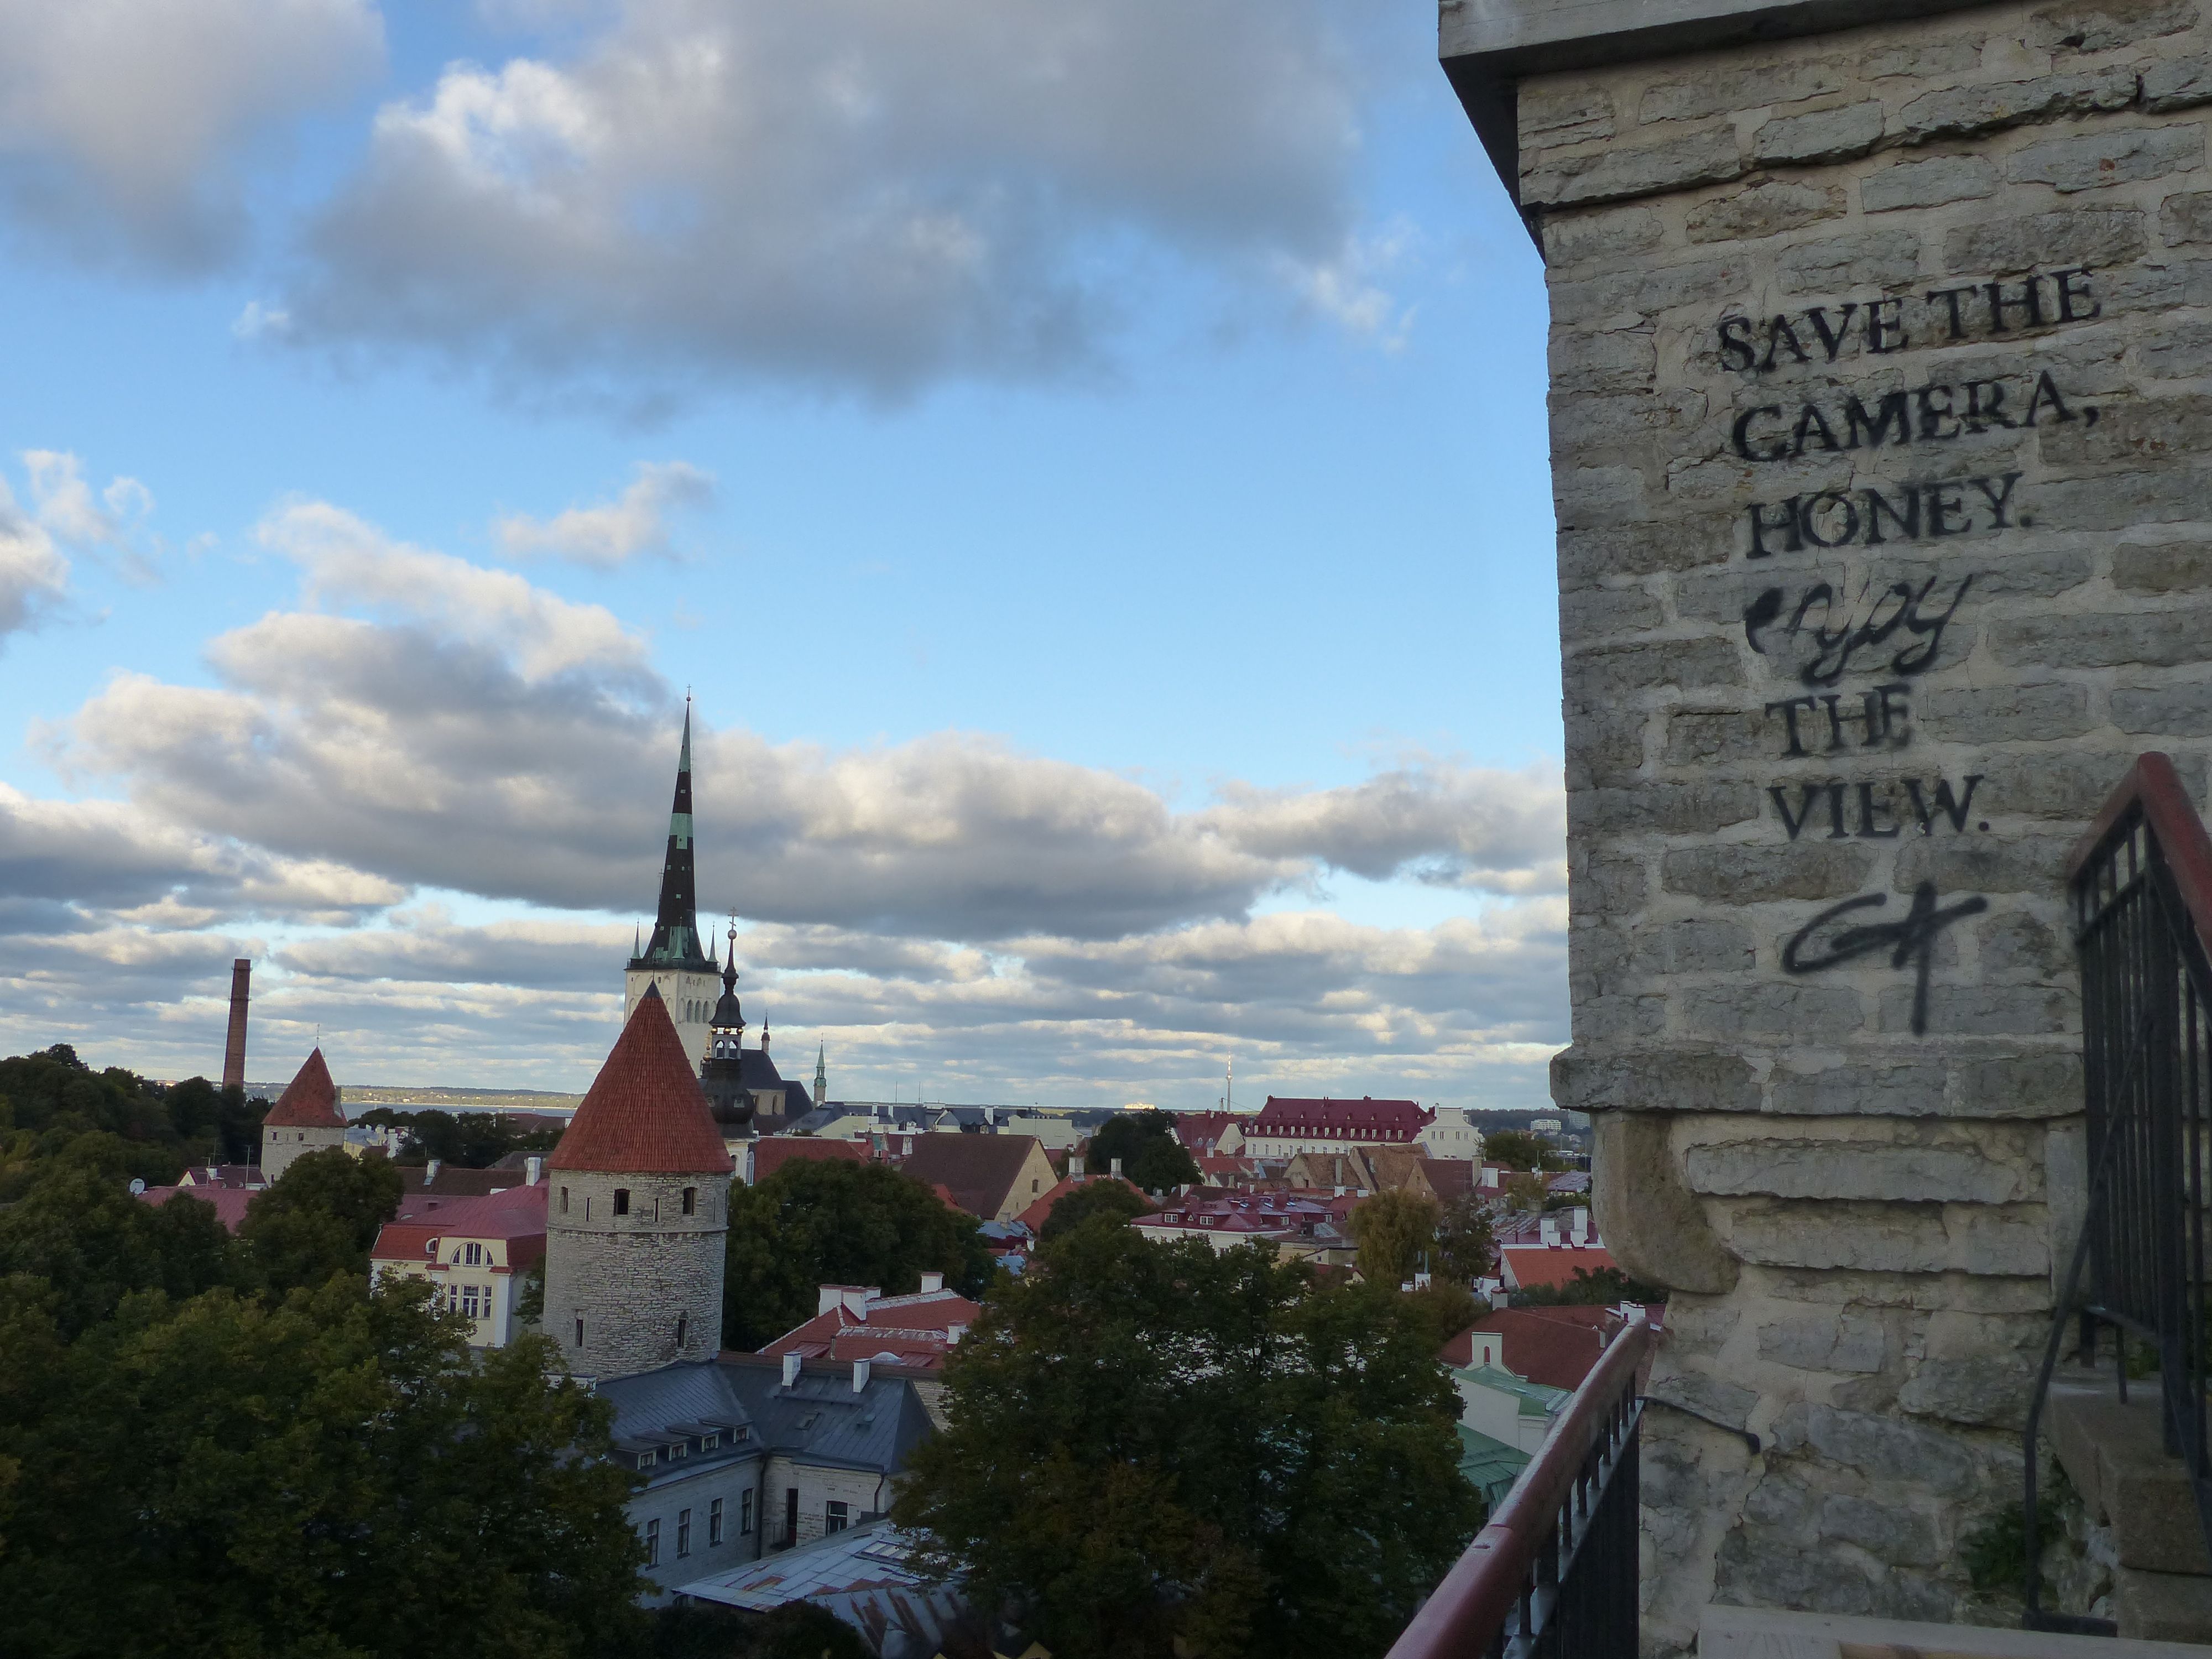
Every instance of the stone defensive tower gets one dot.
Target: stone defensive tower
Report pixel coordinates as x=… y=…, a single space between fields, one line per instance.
x=305 y=1118
x=1880 y=404
x=638 y=1211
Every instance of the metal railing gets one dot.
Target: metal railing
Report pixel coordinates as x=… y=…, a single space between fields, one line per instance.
x=2140 y=886
x=1554 y=1572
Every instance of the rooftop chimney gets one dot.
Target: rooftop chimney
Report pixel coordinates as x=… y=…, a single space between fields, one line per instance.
x=533 y=1171
x=1075 y=1166
x=1578 y=1225
x=1547 y=1230
x=233 y=1047
x=430 y=1171
x=791 y=1370
x=953 y=1333
x=931 y=1283
x=859 y=1376
x=1117 y=1169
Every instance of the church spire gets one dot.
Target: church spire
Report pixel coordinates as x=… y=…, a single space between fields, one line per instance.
x=821 y=1073
x=676 y=927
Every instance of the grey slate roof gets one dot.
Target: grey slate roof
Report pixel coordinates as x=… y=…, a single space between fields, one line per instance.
x=822 y=1421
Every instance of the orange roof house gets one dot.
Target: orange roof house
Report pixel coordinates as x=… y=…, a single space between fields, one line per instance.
x=992 y=1177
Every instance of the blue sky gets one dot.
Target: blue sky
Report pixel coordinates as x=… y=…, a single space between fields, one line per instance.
x=1086 y=461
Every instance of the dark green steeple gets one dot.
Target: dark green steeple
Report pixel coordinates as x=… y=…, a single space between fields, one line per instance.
x=676 y=928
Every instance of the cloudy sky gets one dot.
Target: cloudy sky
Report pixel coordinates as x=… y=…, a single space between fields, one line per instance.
x=1085 y=457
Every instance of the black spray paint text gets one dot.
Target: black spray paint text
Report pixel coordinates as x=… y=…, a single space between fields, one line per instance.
x=1874 y=515
x=1839 y=628
x=1872 y=811
x=1911 y=939
x=1934 y=413
x=1895 y=323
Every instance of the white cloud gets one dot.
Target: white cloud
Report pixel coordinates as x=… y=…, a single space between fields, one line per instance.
x=125 y=125
x=607 y=535
x=66 y=506
x=857 y=194
x=33 y=574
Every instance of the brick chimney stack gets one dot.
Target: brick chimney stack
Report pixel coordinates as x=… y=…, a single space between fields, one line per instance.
x=234 y=1049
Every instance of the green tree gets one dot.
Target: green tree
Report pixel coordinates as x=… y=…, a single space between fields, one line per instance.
x=1156 y=1448
x=1447 y=1308
x=468 y=1141
x=82 y=1236
x=1601 y=1288
x=1393 y=1228
x=1115 y=1199
x=1151 y=1155
x=823 y=1221
x=1519 y=1149
x=334 y=1476
x=1467 y=1245
x=320 y=1218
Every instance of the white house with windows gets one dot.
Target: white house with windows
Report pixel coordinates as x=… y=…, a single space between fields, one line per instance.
x=479 y=1251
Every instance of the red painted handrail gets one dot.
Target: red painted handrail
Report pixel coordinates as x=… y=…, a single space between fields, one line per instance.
x=2153 y=784
x=1484 y=1586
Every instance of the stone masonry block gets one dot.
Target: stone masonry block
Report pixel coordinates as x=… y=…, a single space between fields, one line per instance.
x=2123 y=500
x=1890 y=1454
x=2069 y=786
x=1605 y=748
x=1980 y=1010
x=1931 y=183
x=1987 y=1391
x=2177 y=83
x=2178 y=711
x=1617 y=672
x=1654 y=1080
x=2142 y=429
x=1922 y=59
x=1763 y=209
x=2004 y=713
x=1986 y=107
x=1909 y=1089
x=1614 y=1019
x=1711 y=737
x=1895 y=1532
x=1592 y=553
x=1955 y=1172
x=1705 y=157
x=2166 y=567
x=1610 y=233
x=2031 y=1085
x=2173 y=634
x=1664 y=809
x=1889 y=1238
x=1826 y=134
x=1982 y=864
x=1806 y=1014
x=1584 y=495
x=1698 y=945
x=2101 y=25
x=2181 y=351
x=1874 y=259
x=1564 y=115
x=1583 y=422
x=1754 y=875
x=2019 y=949
x=1724 y=91
x=2085 y=236
x=1819 y=1341
x=1603 y=359
x=2091 y=161
x=1638 y=291
x=1612 y=884
x=1588 y=614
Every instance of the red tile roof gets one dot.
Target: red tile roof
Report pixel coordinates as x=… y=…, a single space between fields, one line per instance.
x=1034 y=1216
x=1389 y=1120
x=516 y=1215
x=773 y=1153
x=645 y=1113
x=310 y=1100
x=978 y=1170
x=1556 y=1347
x=1201 y=1131
x=1527 y=1265
x=916 y=1330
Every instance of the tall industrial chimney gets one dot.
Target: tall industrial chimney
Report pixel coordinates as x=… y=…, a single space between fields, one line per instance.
x=233 y=1050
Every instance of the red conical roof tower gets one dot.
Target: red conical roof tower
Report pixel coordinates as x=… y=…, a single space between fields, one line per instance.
x=310 y=1100
x=645 y=1113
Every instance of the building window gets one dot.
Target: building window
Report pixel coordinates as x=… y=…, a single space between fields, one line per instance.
x=564 y=1201
x=579 y=1330
x=681 y=1448
x=682 y=1533
x=745 y=1513
x=622 y=1200
x=713 y=1524
x=472 y=1256
x=469 y=1301
x=683 y=1328
x=647 y=1459
x=709 y=1442
x=690 y=1200
x=834 y=1516
x=652 y=1543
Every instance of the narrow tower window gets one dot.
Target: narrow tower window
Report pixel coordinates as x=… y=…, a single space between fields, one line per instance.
x=579 y=1330
x=564 y=1201
x=622 y=1200
x=690 y=1200
x=683 y=1328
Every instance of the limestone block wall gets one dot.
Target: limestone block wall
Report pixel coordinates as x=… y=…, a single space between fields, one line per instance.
x=633 y=1280
x=1881 y=389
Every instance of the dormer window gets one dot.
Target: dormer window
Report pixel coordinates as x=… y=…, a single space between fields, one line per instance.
x=646 y=1459
x=710 y=1443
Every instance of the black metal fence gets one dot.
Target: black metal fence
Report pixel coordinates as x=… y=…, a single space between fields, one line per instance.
x=1555 y=1570
x=2142 y=895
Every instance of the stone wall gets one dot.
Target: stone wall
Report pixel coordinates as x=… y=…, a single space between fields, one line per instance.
x=1882 y=385
x=630 y=1277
